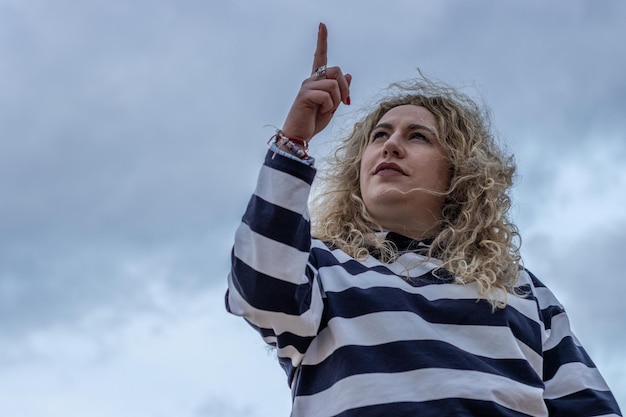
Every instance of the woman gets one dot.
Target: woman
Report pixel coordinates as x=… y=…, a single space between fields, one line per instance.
x=409 y=300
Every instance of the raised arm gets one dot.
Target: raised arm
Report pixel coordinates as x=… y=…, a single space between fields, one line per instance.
x=272 y=283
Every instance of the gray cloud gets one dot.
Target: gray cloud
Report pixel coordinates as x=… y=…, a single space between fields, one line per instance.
x=108 y=157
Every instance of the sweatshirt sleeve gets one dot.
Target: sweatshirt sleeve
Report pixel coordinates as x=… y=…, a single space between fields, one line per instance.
x=272 y=283
x=573 y=385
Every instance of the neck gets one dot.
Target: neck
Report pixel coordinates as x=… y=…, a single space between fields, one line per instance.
x=415 y=231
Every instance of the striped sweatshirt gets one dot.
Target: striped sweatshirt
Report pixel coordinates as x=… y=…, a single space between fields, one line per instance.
x=365 y=338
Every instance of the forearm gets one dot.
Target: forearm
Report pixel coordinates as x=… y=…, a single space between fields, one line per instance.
x=269 y=284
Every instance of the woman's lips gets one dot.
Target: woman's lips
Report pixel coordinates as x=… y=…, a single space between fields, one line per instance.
x=388 y=169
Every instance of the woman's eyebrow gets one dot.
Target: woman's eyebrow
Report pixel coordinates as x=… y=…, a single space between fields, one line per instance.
x=383 y=126
x=415 y=126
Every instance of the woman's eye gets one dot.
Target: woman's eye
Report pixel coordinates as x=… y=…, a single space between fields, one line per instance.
x=419 y=136
x=379 y=135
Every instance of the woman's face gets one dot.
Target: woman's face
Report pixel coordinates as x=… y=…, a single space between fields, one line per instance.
x=403 y=161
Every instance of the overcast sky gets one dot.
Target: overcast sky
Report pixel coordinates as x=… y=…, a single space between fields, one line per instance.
x=131 y=133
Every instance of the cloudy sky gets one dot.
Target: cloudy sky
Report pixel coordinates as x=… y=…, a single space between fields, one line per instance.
x=131 y=133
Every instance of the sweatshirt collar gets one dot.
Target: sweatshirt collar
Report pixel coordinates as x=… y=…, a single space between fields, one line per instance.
x=407 y=244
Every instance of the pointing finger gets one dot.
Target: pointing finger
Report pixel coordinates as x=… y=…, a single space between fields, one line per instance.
x=320 y=58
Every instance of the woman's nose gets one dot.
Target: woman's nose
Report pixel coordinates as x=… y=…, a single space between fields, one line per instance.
x=393 y=146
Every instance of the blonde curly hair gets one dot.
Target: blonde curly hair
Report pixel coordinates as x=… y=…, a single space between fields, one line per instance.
x=476 y=240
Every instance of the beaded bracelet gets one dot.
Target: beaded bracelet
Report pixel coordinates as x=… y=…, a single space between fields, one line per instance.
x=297 y=147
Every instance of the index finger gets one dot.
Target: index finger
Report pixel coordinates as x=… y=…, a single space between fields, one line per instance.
x=320 y=58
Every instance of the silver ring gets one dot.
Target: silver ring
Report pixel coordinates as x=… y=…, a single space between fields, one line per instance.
x=320 y=72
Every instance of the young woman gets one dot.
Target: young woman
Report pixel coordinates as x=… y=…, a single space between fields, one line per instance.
x=408 y=298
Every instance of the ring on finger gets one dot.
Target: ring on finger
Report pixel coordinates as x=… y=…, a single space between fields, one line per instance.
x=320 y=72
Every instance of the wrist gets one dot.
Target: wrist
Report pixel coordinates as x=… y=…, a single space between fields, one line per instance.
x=275 y=151
x=294 y=146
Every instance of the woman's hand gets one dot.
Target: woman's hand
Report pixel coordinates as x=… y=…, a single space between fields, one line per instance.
x=319 y=95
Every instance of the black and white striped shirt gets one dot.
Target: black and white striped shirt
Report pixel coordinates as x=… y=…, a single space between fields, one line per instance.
x=373 y=339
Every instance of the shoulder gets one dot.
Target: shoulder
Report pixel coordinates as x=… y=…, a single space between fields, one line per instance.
x=546 y=301
x=529 y=281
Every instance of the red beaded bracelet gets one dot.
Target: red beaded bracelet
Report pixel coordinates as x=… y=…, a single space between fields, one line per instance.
x=291 y=144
